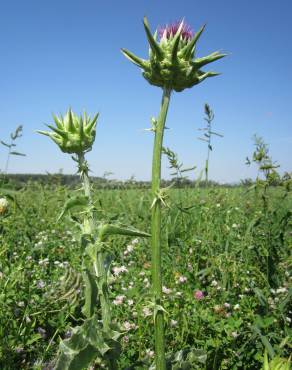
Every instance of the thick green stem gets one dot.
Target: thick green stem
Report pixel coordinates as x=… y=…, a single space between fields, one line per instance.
x=98 y=262
x=156 y=232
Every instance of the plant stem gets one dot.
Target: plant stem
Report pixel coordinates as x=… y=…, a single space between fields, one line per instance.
x=99 y=260
x=156 y=231
x=8 y=158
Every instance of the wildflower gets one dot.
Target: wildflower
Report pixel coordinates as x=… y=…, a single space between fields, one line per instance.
x=171 y=61
x=198 y=294
x=146 y=312
x=149 y=353
x=128 y=326
x=173 y=323
x=119 y=300
x=41 y=284
x=130 y=302
x=281 y=290
x=118 y=270
x=125 y=339
x=214 y=283
x=226 y=305
x=236 y=307
x=166 y=290
x=234 y=334
x=3 y=206
x=21 y=304
x=182 y=279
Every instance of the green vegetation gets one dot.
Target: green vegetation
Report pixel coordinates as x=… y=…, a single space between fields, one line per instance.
x=219 y=292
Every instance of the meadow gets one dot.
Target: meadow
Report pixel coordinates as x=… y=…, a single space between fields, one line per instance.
x=226 y=274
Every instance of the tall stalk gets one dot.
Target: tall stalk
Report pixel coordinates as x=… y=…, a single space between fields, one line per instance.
x=172 y=66
x=156 y=230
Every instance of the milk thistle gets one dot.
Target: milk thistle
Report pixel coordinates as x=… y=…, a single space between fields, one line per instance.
x=95 y=338
x=172 y=66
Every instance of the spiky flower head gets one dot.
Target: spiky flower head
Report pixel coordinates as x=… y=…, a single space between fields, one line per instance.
x=172 y=63
x=3 y=206
x=73 y=134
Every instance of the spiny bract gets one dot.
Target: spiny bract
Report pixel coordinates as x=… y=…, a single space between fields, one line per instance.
x=171 y=61
x=73 y=134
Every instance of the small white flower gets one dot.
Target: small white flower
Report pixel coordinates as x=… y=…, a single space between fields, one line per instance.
x=166 y=290
x=173 y=323
x=118 y=270
x=226 y=305
x=234 y=334
x=182 y=279
x=149 y=353
x=146 y=312
x=236 y=307
x=128 y=326
x=119 y=300
x=130 y=302
x=281 y=290
x=214 y=283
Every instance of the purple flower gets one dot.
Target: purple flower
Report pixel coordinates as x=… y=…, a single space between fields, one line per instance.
x=198 y=295
x=171 y=29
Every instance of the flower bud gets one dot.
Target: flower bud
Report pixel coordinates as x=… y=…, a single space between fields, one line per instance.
x=73 y=134
x=3 y=206
x=171 y=61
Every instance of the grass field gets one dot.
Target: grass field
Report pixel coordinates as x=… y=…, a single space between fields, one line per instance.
x=226 y=276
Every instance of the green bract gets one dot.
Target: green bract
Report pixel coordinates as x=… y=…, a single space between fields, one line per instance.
x=172 y=63
x=73 y=134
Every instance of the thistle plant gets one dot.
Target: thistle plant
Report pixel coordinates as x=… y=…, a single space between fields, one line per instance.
x=97 y=339
x=207 y=136
x=265 y=168
x=172 y=66
x=11 y=145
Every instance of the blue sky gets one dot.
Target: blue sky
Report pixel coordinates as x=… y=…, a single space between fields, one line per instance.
x=56 y=54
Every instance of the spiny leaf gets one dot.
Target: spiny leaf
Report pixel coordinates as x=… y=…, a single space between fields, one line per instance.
x=187 y=50
x=117 y=229
x=200 y=62
x=133 y=58
x=78 y=201
x=176 y=42
x=153 y=44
